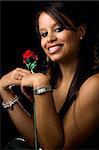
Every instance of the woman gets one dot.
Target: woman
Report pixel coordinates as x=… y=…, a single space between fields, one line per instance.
x=67 y=97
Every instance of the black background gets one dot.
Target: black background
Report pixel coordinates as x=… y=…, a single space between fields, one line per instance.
x=17 y=34
x=18 y=31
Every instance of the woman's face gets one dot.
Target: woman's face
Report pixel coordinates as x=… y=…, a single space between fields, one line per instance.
x=59 y=44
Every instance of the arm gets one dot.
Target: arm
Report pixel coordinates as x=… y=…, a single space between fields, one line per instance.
x=49 y=127
x=18 y=115
x=48 y=123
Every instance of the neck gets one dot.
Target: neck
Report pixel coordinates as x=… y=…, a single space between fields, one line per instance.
x=68 y=69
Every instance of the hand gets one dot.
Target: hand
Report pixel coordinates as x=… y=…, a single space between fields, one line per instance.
x=31 y=81
x=13 y=78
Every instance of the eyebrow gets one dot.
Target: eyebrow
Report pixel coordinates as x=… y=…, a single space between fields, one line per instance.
x=53 y=25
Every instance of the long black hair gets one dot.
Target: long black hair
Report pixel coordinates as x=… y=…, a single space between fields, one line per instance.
x=79 y=13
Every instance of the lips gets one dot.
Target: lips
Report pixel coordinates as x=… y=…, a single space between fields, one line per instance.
x=54 y=49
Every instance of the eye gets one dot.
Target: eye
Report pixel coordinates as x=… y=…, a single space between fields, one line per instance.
x=44 y=34
x=59 y=29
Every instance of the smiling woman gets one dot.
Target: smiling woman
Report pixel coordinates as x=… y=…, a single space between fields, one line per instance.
x=66 y=97
x=56 y=41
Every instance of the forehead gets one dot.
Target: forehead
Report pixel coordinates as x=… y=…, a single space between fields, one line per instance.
x=45 y=20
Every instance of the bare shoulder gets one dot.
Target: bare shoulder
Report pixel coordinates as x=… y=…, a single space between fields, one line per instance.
x=90 y=89
x=92 y=81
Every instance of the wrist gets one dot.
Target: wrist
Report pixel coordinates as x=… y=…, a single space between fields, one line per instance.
x=4 y=89
x=10 y=103
x=41 y=83
x=42 y=90
x=6 y=94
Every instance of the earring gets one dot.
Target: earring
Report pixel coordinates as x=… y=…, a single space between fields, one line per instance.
x=47 y=58
x=81 y=37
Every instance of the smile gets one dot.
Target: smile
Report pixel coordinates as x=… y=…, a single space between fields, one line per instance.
x=54 y=49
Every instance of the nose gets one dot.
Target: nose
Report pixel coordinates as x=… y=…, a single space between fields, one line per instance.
x=51 y=38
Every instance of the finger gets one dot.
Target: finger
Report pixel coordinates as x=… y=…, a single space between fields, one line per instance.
x=22 y=70
x=20 y=73
x=17 y=74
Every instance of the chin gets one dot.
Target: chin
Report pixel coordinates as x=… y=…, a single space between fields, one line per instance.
x=56 y=58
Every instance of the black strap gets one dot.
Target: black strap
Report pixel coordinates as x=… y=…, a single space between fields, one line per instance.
x=71 y=96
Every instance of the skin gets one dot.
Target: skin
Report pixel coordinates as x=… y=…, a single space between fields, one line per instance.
x=52 y=133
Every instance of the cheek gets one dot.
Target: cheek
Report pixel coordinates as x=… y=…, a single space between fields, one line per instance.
x=72 y=39
x=74 y=43
x=43 y=45
x=71 y=42
x=65 y=36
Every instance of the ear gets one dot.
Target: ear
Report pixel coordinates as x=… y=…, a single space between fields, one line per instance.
x=82 y=31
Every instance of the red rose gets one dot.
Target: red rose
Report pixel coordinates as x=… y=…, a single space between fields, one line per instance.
x=28 y=53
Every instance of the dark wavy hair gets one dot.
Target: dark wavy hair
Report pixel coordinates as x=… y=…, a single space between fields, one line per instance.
x=79 y=13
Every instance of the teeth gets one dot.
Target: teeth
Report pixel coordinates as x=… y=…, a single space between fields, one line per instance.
x=53 y=48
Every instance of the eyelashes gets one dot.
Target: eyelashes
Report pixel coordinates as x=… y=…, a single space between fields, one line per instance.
x=57 y=29
x=44 y=34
